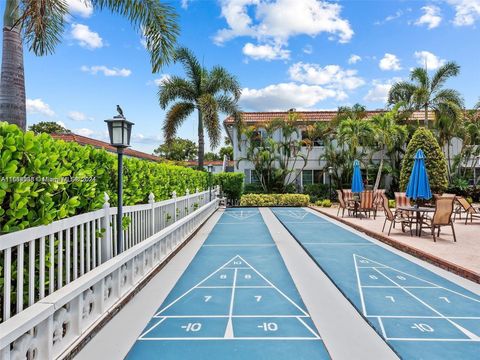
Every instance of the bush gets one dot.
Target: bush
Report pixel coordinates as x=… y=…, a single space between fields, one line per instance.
x=253 y=189
x=435 y=161
x=274 y=200
x=43 y=180
x=317 y=191
x=391 y=204
x=231 y=184
x=324 y=203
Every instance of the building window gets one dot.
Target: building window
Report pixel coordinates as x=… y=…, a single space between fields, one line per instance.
x=310 y=177
x=316 y=142
x=251 y=177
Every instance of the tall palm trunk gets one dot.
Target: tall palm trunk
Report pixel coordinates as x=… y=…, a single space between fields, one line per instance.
x=12 y=81
x=201 y=141
x=426 y=116
x=379 y=172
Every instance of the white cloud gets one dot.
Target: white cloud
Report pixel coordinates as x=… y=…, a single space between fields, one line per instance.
x=84 y=132
x=398 y=14
x=61 y=123
x=431 y=17
x=37 y=106
x=78 y=116
x=82 y=8
x=85 y=37
x=266 y=52
x=308 y=49
x=427 y=58
x=390 y=62
x=353 y=59
x=106 y=71
x=467 y=12
x=379 y=90
x=161 y=79
x=284 y=96
x=274 y=22
x=330 y=76
x=184 y=4
x=146 y=139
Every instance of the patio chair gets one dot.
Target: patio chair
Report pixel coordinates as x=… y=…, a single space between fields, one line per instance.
x=467 y=208
x=366 y=202
x=441 y=217
x=377 y=201
x=347 y=195
x=394 y=217
x=401 y=199
x=343 y=205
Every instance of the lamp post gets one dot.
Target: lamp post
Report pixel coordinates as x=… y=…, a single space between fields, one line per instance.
x=330 y=173
x=119 y=130
x=210 y=169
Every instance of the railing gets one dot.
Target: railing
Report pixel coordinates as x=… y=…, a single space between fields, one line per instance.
x=41 y=260
x=53 y=324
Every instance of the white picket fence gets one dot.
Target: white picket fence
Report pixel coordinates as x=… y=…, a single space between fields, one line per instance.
x=47 y=258
x=52 y=326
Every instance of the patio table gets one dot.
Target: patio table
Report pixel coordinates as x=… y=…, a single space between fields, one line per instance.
x=419 y=211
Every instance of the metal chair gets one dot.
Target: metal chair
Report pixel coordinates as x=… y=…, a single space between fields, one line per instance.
x=366 y=202
x=467 y=208
x=394 y=217
x=441 y=217
x=343 y=205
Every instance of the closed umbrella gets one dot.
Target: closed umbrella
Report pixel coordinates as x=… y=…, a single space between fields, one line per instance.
x=418 y=185
x=357 y=183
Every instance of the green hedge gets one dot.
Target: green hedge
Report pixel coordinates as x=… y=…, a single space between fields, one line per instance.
x=274 y=200
x=43 y=180
x=231 y=184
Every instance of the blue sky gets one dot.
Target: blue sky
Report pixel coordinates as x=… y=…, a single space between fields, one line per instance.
x=306 y=54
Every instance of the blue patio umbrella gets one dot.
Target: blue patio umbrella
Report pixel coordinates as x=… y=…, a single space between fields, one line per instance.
x=418 y=185
x=357 y=182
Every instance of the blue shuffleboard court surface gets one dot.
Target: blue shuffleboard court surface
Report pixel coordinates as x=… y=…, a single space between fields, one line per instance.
x=420 y=314
x=236 y=300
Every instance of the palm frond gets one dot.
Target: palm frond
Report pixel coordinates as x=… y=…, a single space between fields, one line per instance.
x=401 y=92
x=191 y=65
x=177 y=114
x=448 y=96
x=209 y=110
x=420 y=75
x=445 y=72
x=157 y=20
x=219 y=79
x=42 y=23
x=176 y=88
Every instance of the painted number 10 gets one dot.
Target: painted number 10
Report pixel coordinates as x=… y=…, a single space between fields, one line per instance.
x=423 y=327
x=271 y=326
x=194 y=327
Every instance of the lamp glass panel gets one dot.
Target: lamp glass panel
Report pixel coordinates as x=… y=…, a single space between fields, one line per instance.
x=117 y=134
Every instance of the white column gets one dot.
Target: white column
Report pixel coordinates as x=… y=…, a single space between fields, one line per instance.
x=151 y=201
x=174 y=197
x=107 y=234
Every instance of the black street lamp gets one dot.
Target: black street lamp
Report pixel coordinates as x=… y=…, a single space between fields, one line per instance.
x=330 y=173
x=119 y=130
x=210 y=169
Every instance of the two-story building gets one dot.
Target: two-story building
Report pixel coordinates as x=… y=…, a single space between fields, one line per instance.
x=314 y=171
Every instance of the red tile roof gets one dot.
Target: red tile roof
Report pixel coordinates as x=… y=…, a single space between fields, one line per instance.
x=213 y=162
x=83 y=140
x=259 y=117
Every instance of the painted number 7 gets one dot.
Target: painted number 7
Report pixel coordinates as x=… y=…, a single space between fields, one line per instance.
x=258 y=298
x=207 y=298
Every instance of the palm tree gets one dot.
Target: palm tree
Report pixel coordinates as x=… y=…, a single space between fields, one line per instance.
x=388 y=134
x=41 y=24
x=425 y=92
x=355 y=133
x=208 y=92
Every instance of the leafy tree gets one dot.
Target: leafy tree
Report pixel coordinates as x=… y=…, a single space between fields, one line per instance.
x=226 y=150
x=211 y=156
x=178 y=150
x=388 y=135
x=48 y=127
x=353 y=133
x=41 y=23
x=435 y=161
x=425 y=92
x=207 y=91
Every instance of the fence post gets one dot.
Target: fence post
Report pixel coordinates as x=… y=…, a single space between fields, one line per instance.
x=107 y=234
x=151 y=201
x=187 y=194
x=174 y=197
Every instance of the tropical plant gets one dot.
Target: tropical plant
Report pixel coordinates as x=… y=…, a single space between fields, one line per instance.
x=41 y=23
x=274 y=200
x=207 y=91
x=231 y=184
x=388 y=135
x=435 y=161
x=226 y=150
x=425 y=92
x=49 y=127
x=178 y=150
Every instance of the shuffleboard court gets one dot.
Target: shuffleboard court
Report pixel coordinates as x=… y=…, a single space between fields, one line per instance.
x=420 y=314
x=236 y=300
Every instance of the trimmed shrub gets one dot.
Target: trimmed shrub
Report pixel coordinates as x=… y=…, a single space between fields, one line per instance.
x=274 y=200
x=435 y=161
x=253 y=189
x=43 y=180
x=324 y=203
x=391 y=204
x=231 y=184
